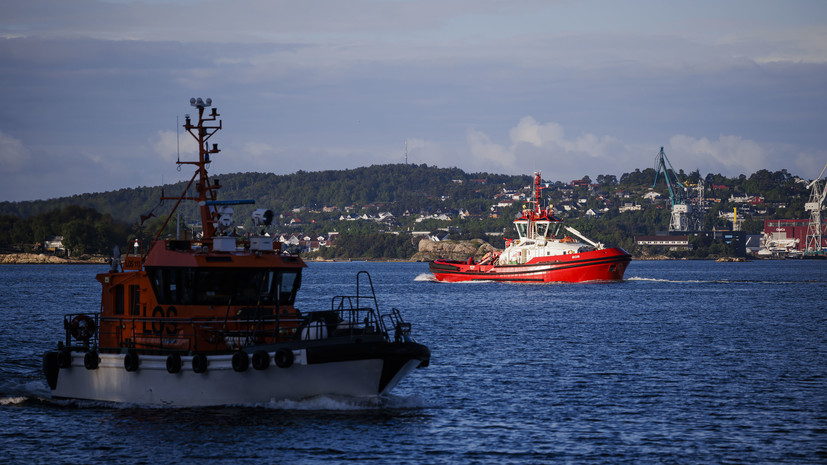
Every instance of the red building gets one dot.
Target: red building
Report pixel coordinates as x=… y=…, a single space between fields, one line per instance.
x=792 y=229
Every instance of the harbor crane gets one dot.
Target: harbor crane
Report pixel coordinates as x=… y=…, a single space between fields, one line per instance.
x=682 y=212
x=813 y=245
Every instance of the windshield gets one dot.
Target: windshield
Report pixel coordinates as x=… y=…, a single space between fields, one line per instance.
x=542 y=228
x=224 y=286
x=522 y=228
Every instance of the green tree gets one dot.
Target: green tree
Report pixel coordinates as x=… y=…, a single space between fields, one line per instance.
x=78 y=237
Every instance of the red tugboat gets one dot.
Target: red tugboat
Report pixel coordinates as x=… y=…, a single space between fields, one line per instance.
x=542 y=253
x=211 y=320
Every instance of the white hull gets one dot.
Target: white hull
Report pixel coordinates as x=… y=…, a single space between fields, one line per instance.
x=151 y=384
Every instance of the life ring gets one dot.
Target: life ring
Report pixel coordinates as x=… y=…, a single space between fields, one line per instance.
x=284 y=358
x=261 y=360
x=199 y=363
x=174 y=363
x=91 y=360
x=131 y=361
x=82 y=327
x=240 y=360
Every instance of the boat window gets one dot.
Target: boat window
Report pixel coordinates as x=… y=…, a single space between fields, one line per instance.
x=557 y=229
x=222 y=286
x=134 y=300
x=172 y=285
x=290 y=283
x=542 y=229
x=119 y=299
x=522 y=227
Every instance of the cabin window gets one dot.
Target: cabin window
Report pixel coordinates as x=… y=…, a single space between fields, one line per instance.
x=522 y=228
x=134 y=300
x=290 y=283
x=222 y=287
x=173 y=285
x=119 y=303
x=542 y=229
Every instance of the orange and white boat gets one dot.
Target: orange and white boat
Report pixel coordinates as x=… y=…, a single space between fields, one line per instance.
x=211 y=320
x=543 y=252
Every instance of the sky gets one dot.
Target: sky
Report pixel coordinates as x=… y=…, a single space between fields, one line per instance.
x=93 y=92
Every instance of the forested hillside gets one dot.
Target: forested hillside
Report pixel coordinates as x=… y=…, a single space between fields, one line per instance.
x=364 y=204
x=397 y=187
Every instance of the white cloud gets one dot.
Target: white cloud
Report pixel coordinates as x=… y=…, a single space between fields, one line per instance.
x=336 y=85
x=544 y=147
x=14 y=156
x=733 y=155
x=537 y=146
x=484 y=152
x=169 y=144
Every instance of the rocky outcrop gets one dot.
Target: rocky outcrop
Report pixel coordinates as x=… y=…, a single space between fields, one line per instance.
x=32 y=258
x=452 y=250
x=732 y=259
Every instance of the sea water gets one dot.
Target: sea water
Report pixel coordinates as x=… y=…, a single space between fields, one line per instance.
x=683 y=362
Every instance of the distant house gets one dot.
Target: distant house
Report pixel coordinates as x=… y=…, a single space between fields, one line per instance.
x=440 y=217
x=504 y=203
x=629 y=207
x=439 y=236
x=54 y=244
x=670 y=242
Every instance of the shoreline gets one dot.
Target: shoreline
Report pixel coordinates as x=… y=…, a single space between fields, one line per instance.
x=44 y=259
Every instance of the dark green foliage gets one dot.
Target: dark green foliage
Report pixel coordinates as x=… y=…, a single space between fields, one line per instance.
x=84 y=231
x=404 y=190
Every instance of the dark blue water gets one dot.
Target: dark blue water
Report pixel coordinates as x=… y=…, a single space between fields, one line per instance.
x=684 y=362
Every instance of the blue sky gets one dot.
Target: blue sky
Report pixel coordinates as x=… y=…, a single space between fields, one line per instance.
x=90 y=90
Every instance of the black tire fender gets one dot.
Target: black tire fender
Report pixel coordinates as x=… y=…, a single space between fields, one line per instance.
x=131 y=361
x=261 y=360
x=64 y=358
x=284 y=358
x=174 y=363
x=240 y=361
x=50 y=368
x=91 y=360
x=199 y=363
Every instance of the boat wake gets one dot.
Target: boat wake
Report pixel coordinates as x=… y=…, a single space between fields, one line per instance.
x=426 y=277
x=318 y=404
x=16 y=400
x=662 y=280
x=322 y=403
x=716 y=281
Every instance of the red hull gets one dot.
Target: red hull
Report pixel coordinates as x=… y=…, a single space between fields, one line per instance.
x=598 y=265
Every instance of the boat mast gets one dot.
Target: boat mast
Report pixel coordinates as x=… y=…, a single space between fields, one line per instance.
x=537 y=193
x=206 y=191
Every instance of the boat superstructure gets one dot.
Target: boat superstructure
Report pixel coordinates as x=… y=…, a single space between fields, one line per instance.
x=544 y=251
x=210 y=320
